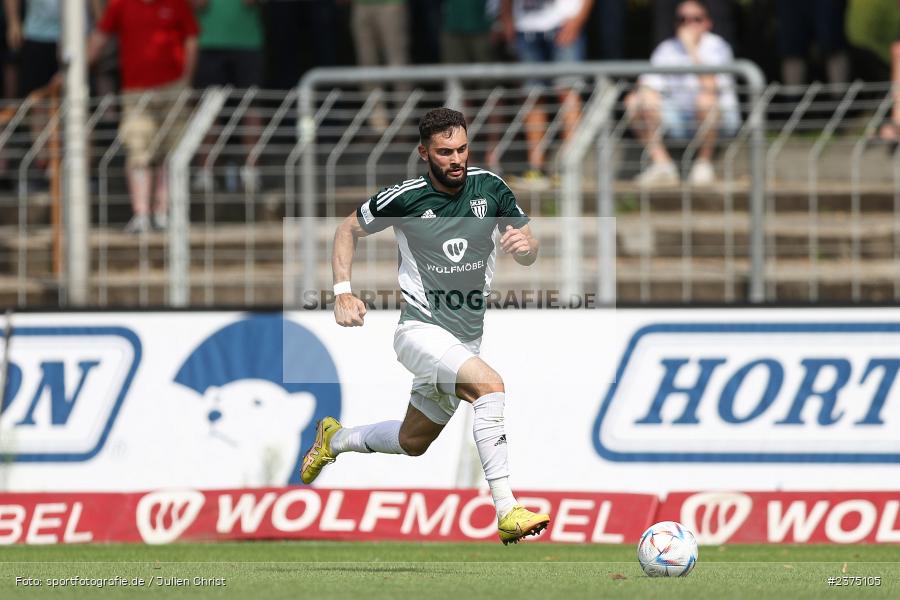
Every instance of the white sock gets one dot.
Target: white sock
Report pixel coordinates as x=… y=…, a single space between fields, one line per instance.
x=490 y=438
x=381 y=437
x=502 y=495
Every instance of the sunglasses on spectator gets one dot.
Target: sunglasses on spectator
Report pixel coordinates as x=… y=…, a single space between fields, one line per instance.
x=683 y=19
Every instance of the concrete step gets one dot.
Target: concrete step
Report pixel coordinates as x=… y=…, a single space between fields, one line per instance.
x=662 y=235
x=35 y=212
x=269 y=206
x=30 y=291
x=224 y=244
x=224 y=287
x=833 y=235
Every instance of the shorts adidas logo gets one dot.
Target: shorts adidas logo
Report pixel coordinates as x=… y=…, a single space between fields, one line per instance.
x=429 y=214
x=502 y=440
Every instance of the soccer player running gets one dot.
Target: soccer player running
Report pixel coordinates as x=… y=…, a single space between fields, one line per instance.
x=448 y=224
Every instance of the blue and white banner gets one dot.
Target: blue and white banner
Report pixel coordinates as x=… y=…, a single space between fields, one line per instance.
x=627 y=400
x=812 y=392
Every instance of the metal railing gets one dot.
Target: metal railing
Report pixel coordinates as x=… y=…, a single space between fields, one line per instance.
x=806 y=206
x=456 y=77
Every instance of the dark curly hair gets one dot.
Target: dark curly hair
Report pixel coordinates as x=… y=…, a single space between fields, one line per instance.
x=439 y=120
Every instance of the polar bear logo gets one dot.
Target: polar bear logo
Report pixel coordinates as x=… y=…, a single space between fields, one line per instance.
x=259 y=422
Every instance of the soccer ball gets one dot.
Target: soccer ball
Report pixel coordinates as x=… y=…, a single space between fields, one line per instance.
x=667 y=549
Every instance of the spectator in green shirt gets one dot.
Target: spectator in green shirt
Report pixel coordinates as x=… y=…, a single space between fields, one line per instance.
x=230 y=44
x=466 y=38
x=466 y=35
x=381 y=37
x=890 y=130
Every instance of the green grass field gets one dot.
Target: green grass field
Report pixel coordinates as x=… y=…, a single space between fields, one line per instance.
x=330 y=570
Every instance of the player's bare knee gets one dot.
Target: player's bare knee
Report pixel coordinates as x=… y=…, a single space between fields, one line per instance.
x=418 y=450
x=475 y=379
x=414 y=446
x=492 y=384
x=472 y=391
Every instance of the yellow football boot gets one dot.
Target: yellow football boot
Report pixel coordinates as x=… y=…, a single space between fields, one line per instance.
x=520 y=522
x=320 y=453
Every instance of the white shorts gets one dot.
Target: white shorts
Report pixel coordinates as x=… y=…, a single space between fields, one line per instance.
x=433 y=355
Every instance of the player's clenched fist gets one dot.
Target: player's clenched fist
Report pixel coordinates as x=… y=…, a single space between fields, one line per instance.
x=349 y=310
x=514 y=241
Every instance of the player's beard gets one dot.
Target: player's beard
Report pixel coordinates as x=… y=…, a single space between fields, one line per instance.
x=445 y=179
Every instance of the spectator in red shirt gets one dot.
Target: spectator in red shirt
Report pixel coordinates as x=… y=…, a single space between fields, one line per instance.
x=157 y=54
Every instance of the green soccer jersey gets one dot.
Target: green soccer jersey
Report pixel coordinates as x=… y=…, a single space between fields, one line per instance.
x=447 y=245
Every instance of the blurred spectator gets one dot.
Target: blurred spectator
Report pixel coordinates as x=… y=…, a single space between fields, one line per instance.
x=105 y=78
x=37 y=41
x=802 y=22
x=230 y=53
x=381 y=36
x=890 y=131
x=870 y=28
x=321 y=17
x=299 y=35
x=157 y=54
x=284 y=36
x=425 y=30
x=547 y=31
x=682 y=105
x=9 y=80
x=230 y=43
x=9 y=56
x=723 y=14
x=466 y=38
x=608 y=21
x=466 y=32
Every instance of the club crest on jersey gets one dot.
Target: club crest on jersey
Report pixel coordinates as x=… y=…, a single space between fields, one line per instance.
x=479 y=207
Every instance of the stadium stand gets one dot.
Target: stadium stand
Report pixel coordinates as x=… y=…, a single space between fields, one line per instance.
x=830 y=192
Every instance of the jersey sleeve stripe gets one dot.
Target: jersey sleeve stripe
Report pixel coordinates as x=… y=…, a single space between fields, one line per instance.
x=480 y=171
x=388 y=199
x=382 y=196
x=393 y=188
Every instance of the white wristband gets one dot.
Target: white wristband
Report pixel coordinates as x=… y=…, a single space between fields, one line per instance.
x=342 y=287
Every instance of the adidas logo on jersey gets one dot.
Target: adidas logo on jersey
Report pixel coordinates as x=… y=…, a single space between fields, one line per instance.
x=429 y=214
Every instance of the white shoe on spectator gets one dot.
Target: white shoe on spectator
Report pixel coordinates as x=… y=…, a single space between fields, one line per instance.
x=138 y=224
x=160 y=221
x=702 y=173
x=203 y=181
x=658 y=175
x=534 y=180
x=379 y=119
x=250 y=178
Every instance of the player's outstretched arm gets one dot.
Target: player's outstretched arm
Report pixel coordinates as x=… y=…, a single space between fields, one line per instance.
x=521 y=243
x=349 y=310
